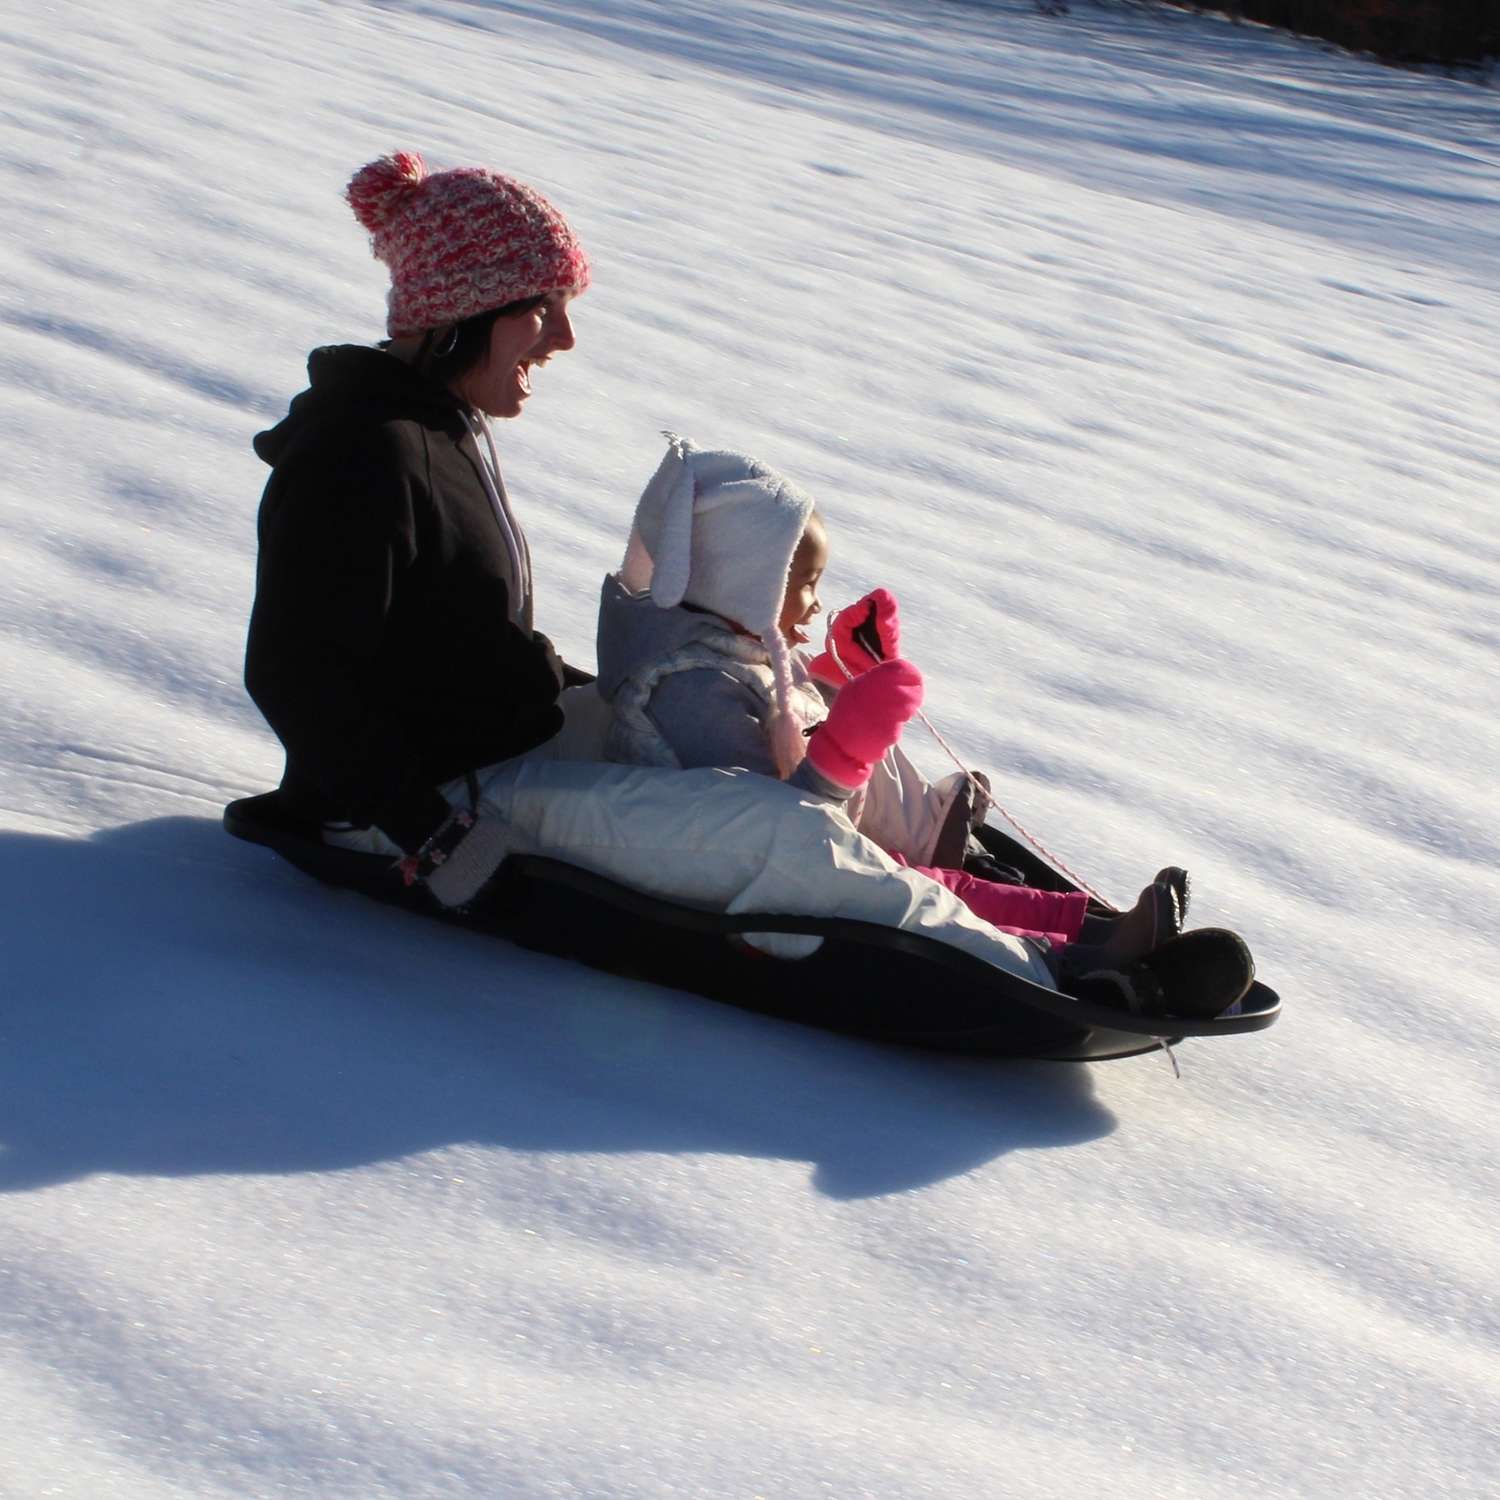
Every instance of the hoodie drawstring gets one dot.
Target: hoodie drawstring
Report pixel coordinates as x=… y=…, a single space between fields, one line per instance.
x=515 y=538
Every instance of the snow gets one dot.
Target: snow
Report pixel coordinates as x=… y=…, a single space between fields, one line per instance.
x=1151 y=359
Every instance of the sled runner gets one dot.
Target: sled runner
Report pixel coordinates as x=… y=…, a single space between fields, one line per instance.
x=866 y=980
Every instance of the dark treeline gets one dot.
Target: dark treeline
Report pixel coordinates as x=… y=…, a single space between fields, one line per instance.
x=1441 y=31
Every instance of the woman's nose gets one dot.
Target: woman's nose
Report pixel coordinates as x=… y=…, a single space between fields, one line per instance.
x=560 y=330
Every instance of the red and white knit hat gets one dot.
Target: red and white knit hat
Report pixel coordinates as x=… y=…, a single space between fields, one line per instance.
x=461 y=242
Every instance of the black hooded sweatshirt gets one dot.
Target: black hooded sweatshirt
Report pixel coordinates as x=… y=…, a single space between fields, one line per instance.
x=381 y=648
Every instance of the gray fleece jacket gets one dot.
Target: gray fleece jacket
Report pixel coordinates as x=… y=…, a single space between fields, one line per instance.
x=688 y=690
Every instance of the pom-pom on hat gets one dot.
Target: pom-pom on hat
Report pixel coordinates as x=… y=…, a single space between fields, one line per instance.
x=718 y=530
x=461 y=242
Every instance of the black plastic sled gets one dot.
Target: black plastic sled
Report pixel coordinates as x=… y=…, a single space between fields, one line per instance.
x=864 y=981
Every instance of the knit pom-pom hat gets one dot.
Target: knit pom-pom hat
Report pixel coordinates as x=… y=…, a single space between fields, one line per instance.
x=718 y=530
x=461 y=242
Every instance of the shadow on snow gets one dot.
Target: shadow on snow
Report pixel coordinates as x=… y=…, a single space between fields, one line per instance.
x=177 y=1003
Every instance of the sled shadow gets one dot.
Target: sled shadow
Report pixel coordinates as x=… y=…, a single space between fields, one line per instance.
x=173 y=1002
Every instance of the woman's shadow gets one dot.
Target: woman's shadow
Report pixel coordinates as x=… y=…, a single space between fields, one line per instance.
x=174 y=1002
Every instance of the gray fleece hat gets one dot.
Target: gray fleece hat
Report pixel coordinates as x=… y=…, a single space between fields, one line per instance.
x=716 y=529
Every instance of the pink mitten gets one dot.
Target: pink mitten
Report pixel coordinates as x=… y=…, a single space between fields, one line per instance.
x=865 y=721
x=859 y=636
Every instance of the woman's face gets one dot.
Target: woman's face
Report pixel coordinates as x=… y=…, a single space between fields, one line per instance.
x=801 y=601
x=501 y=382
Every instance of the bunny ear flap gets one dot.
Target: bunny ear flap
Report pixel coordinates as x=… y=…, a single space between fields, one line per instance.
x=638 y=568
x=664 y=521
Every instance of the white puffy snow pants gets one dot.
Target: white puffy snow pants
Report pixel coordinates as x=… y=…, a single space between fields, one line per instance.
x=727 y=840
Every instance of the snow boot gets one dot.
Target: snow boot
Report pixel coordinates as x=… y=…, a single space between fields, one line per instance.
x=1181 y=886
x=1199 y=974
x=1156 y=918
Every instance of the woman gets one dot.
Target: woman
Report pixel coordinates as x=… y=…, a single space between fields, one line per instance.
x=391 y=644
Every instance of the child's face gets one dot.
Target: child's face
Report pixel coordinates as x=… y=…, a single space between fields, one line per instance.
x=801 y=601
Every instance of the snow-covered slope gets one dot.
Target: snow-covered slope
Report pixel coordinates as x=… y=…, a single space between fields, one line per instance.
x=1152 y=360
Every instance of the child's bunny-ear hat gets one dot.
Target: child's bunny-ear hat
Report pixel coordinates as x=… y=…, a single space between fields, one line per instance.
x=716 y=529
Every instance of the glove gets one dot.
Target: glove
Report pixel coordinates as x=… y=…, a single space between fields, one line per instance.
x=865 y=721
x=459 y=858
x=859 y=635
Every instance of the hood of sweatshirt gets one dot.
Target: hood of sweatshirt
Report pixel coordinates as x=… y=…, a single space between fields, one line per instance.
x=354 y=382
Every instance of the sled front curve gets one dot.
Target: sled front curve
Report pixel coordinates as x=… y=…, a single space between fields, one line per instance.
x=865 y=980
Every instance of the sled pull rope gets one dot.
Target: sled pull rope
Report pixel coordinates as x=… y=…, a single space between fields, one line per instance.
x=980 y=790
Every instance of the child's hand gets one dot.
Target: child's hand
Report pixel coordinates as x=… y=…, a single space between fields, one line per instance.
x=859 y=636
x=865 y=721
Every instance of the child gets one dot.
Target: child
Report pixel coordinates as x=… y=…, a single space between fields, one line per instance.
x=700 y=661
